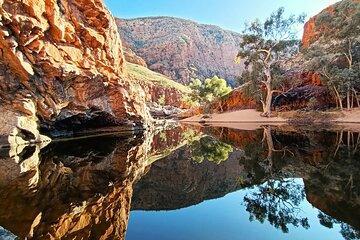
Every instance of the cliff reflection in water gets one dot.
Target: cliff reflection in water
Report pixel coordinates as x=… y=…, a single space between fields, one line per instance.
x=79 y=189
x=85 y=189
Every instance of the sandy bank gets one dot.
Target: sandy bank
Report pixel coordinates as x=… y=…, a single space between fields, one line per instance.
x=252 y=119
x=241 y=116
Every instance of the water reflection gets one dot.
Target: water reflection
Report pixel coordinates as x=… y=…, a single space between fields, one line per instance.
x=266 y=164
x=82 y=188
x=210 y=149
x=277 y=201
x=86 y=188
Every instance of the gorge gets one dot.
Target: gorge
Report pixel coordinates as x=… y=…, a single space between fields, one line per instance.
x=104 y=133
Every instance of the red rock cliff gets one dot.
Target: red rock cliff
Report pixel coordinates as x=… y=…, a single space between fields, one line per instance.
x=64 y=60
x=313 y=30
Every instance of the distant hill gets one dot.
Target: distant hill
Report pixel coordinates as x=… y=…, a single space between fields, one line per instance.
x=182 y=49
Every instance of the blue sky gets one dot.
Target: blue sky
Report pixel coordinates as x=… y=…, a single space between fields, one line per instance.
x=228 y=14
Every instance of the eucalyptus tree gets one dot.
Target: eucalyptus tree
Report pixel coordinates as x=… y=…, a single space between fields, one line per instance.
x=266 y=48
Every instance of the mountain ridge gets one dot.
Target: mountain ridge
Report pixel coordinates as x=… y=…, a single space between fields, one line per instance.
x=182 y=49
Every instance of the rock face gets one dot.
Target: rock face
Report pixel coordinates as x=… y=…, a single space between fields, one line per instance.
x=308 y=93
x=313 y=29
x=66 y=58
x=310 y=29
x=182 y=49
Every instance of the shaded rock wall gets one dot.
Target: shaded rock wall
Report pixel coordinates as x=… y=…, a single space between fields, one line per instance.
x=305 y=90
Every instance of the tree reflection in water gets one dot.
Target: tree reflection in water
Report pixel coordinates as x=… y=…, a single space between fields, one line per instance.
x=208 y=148
x=277 y=201
x=348 y=232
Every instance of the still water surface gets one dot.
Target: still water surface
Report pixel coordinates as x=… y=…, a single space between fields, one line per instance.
x=185 y=183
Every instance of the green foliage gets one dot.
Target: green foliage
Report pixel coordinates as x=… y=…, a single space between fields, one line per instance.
x=207 y=91
x=190 y=135
x=342 y=23
x=344 y=78
x=163 y=136
x=208 y=148
x=184 y=39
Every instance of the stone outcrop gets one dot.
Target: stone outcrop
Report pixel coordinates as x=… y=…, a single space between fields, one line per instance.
x=310 y=29
x=308 y=93
x=182 y=49
x=66 y=57
x=235 y=100
x=171 y=96
x=22 y=128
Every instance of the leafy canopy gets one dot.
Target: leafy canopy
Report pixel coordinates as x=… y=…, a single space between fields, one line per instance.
x=209 y=90
x=272 y=40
